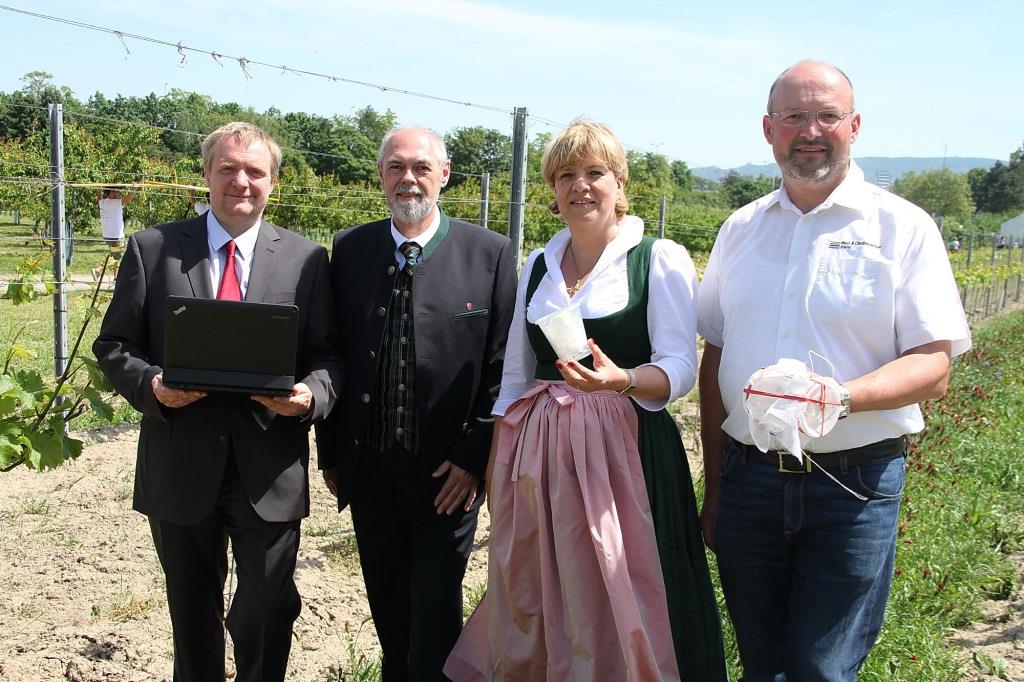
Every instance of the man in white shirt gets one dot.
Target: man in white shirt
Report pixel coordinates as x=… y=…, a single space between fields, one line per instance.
x=111 y=204
x=831 y=264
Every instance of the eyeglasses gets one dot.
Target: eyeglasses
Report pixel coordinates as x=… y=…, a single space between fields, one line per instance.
x=828 y=118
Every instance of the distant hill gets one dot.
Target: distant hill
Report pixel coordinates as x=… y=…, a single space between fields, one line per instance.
x=894 y=166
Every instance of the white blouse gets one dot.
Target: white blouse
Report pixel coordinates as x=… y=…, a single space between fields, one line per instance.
x=671 y=309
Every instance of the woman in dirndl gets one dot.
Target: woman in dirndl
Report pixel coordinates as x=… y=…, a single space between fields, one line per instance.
x=596 y=567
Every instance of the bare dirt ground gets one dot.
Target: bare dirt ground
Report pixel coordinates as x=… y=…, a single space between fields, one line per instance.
x=81 y=590
x=993 y=648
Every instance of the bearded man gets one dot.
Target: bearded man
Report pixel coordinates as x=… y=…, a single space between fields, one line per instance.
x=833 y=265
x=424 y=304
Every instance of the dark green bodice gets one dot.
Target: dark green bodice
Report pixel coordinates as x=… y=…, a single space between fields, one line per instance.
x=622 y=335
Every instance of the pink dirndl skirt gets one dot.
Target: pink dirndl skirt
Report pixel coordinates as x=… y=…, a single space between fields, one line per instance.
x=575 y=589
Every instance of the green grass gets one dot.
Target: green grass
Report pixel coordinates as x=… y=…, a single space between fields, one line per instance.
x=961 y=517
x=19 y=241
x=32 y=323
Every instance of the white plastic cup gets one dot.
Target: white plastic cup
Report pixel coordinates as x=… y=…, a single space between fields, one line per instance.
x=565 y=332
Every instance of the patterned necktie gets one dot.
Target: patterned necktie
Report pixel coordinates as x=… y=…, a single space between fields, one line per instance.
x=411 y=251
x=229 y=288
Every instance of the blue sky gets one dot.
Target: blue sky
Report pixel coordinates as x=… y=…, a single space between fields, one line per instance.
x=686 y=79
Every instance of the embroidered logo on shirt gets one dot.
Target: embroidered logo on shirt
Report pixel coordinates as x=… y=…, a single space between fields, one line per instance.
x=849 y=245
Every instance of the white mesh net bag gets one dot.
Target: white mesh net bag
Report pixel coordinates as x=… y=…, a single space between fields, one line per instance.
x=788 y=406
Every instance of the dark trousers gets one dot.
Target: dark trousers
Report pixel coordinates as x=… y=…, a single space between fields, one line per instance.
x=265 y=604
x=413 y=562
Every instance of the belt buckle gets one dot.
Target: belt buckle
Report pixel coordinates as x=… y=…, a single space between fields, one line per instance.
x=804 y=468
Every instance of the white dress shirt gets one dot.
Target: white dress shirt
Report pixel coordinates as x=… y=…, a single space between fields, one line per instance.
x=860 y=279
x=671 y=312
x=245 y=244
x=421 y=239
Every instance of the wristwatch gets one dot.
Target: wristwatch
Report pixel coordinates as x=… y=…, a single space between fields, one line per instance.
x=632 y=382
x=844 y=402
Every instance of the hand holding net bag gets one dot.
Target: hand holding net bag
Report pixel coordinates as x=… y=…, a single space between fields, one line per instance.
x=788 y=405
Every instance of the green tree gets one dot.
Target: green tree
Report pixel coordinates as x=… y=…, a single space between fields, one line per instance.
x=650 y=169
x=475 y=150
x=23 y=112
x=739 y=190
x=1001 y=187
x=942 y=192
x=373 y=124
x=682 y=176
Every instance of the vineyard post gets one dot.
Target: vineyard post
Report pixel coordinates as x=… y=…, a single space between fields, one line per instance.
x=970 y=246
x=485 y=197
x=661 y=216
x=58 y=221
x=517 y=195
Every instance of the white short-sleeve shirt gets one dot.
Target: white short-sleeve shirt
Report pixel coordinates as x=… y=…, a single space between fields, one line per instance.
x=112 y=218
x=860 y=279
x=671 y=309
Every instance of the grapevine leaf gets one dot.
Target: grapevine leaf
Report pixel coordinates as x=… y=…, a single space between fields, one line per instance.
x=96 y=376
x=50 y=448
x=30 y=380
x=12 y=444
x=21 y=352
x=21 y=292
x=99 y=405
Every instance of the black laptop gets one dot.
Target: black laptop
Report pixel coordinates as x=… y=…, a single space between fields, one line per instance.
x=236 y=346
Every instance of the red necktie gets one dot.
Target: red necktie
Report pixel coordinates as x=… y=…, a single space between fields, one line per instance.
x=229 y=288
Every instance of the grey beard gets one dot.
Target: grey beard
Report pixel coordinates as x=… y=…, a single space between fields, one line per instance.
x=411 y=211
x=817 y=175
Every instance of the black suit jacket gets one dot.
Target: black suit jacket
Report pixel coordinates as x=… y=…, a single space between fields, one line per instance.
x=182 y=452
x=459 y=348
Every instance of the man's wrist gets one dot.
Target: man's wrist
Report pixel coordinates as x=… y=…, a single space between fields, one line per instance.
x=845 y=402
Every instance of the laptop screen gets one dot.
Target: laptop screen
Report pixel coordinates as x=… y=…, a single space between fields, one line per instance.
x=234 y=343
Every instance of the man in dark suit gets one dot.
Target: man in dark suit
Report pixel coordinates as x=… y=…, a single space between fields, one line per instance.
x=224 y=465
x=425 y=302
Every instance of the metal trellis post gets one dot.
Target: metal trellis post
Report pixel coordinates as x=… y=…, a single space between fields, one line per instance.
x=60 y=297
x=661 y=217
x=485 y=198
x=517 y=195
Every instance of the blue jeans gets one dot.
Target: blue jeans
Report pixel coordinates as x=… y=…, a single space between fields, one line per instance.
x=806 y=566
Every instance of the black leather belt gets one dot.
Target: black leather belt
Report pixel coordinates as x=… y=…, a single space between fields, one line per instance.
x=828 y=461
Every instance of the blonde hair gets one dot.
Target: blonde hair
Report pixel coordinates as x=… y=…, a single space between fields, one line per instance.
x=581 y=141
x=247 y=133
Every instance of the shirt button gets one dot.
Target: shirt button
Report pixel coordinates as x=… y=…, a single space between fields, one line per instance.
x=391 y=269
x=394 y=292
x=399 y=431
x=365 y=397
x=405 y=316
x=223 y=439
x=401 y=387
x=405 y=294
x=372 y=355
x=402 y=340
x=381 y=312
x=401 y=363
x=400 y=409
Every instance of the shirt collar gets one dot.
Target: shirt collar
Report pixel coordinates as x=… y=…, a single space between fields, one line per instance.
x=423 y=238
x=217 y=237
x=851 y=193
